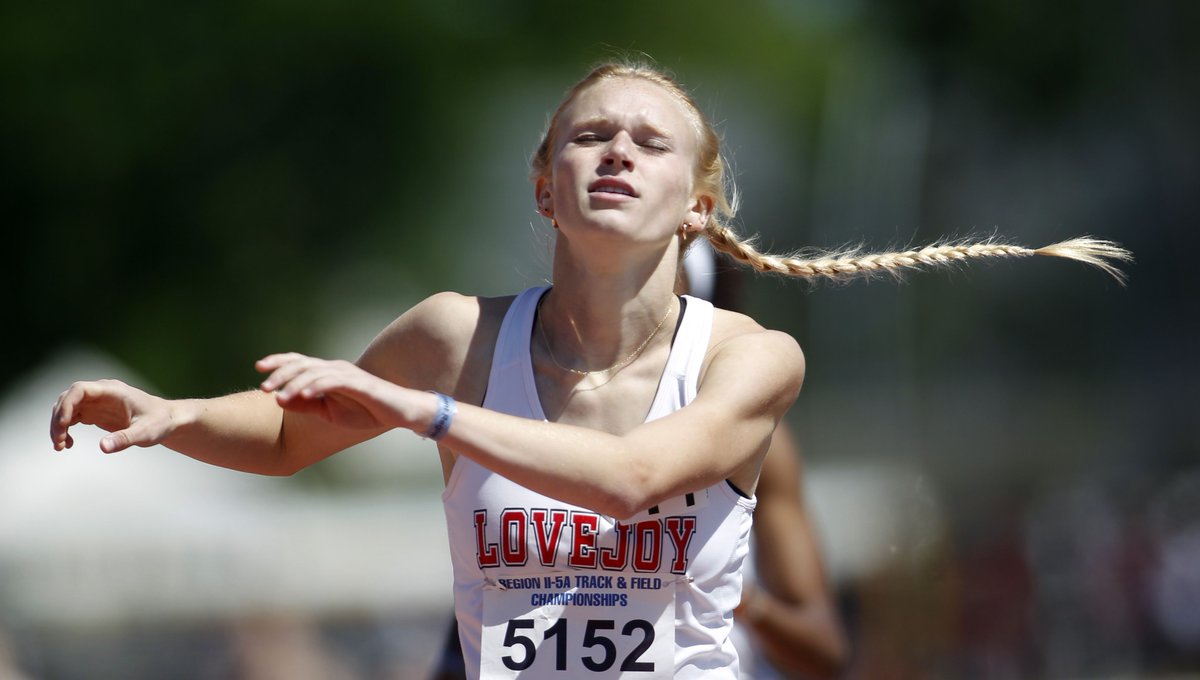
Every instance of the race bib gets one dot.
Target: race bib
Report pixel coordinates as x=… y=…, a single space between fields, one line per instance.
x=579 y=625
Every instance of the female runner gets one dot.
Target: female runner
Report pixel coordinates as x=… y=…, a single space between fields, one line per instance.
x=601 y=438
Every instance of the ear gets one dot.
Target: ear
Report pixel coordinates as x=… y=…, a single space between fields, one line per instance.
x=543 y=197
x=697 y=215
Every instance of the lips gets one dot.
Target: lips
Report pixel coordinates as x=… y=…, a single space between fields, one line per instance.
x=612 y=185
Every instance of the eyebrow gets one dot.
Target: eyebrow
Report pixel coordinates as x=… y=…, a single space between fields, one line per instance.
x=605 y=121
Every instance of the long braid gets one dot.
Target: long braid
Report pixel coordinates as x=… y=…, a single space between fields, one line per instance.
x=846 y=265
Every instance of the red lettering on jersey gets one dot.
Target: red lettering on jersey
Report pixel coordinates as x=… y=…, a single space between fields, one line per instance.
x=640 y=545
x=680 y=530
x=647 y=554
x=583 y=545
x=512 y=537
x=616 y=558
x=487 y=554
x=546 y=533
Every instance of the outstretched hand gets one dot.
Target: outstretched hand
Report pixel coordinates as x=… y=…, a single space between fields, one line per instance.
x=337 y=391
x=131 y=416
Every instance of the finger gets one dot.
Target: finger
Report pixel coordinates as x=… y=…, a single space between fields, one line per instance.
x=301 y=404
x=137 y=434
x=61 y=439
x=116 y=441
x=331 y=382
x=302 y=383
x=58 y=431
x=286 y=372
x=62 y=417
x=271 y=362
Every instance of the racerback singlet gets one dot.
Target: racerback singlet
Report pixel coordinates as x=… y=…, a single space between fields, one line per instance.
x=548 y=589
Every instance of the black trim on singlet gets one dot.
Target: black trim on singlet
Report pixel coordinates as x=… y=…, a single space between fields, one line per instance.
x=679 y=321
x=736 y=490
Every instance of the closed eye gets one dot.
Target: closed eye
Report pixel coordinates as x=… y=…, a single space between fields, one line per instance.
x=588 y=138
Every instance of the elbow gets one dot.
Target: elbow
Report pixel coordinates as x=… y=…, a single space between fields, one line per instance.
x=622 y=511
x=831 y=663
x=275 y=466
x=838 y=661
x=619 y=505
x=641 y=483
x=634 y=494
x=280 y=471
x=285 y=458
x=817 y=649
x=284 y=465
x=835 y=661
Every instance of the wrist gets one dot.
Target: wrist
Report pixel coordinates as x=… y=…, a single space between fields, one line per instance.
x=178 y=420
x=182 y=413
x=441 y=417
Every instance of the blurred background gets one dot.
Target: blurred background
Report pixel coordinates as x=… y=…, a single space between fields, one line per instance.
x=1004 y=461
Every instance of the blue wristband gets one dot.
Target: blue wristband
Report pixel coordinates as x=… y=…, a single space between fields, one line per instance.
x=446 y=410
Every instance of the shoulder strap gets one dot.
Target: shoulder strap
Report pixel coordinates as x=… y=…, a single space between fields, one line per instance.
x=511 y=368
x=681 y=376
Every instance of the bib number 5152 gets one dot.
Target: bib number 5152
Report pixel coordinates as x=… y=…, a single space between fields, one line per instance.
x=596 y=638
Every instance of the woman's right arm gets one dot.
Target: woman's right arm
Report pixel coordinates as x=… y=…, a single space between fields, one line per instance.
x=238 y=431
x=249 y=431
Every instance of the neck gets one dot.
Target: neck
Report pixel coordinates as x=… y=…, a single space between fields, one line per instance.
x=598 y=313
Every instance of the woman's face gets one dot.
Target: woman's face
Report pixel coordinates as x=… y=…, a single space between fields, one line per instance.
x=624 y=163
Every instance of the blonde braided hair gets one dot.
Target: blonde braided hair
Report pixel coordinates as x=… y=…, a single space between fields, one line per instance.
x=845 y=265
x=712 y=180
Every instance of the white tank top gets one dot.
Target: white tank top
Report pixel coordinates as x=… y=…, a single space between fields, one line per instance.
x=554 y=590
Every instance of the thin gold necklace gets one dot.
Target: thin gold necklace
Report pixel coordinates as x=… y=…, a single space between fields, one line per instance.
x=615 y=367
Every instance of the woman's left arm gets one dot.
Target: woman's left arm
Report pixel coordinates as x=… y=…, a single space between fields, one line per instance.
x=790 y=608
x=750 y=381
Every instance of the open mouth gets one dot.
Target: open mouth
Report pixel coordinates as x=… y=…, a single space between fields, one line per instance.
x=612 y=186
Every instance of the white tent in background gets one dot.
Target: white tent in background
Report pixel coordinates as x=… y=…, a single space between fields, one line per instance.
x=149 y=534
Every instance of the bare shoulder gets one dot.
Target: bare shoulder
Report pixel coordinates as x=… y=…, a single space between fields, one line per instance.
x=740 y=344
x=440 y=343
x=738 y=330
x=449 y=318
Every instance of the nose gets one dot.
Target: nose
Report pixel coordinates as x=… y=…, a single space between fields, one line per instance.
x=619 y=153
